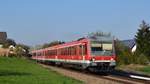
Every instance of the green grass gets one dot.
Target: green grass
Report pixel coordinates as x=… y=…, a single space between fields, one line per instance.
x=23 y=71
x=145 y=69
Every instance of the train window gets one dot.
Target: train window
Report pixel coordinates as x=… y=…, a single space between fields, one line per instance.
x=73 y=50
x=55 y=52
x=66 y=51
x=39 y=54
x=101 y=48
x=46 y=53
x=42 y=54
x=62 y=51
x=33 y=54
x=82 y=50
x=52 y=52
x=59 y=52
x=69 y=51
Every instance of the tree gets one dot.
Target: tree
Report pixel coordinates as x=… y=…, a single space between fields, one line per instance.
x=52 y=44
x=22 y=50
x=142 y=38
x=124 y=56
x=36 y=47
x=9 y=42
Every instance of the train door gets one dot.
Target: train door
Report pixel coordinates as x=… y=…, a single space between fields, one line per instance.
x=82 y=51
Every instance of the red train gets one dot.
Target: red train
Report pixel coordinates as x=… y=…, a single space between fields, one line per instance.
x=95 y=53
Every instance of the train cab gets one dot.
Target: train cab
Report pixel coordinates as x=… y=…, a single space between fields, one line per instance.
x=102 y=53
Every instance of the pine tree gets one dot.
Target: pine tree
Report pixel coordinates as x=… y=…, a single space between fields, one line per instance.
x=143 y=39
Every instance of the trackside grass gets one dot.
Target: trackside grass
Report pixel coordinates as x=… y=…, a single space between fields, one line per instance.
x=23 y=71
x=145 y=69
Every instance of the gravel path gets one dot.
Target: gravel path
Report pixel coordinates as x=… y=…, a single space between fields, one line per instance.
x=87 y=79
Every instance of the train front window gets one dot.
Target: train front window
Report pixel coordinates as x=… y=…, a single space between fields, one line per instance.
x=101 y=49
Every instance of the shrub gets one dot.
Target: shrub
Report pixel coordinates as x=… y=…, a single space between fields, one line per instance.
x=140 y=59
x=125 y=56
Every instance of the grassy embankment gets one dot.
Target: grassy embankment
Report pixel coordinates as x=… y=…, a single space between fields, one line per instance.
x=23 y=71
x=145 y=69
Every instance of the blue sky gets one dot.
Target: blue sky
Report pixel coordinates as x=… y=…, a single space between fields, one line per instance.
x=35 y=22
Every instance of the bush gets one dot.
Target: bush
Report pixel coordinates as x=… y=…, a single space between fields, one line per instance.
x=126 y=57
x=140 y=59
x=123 y=54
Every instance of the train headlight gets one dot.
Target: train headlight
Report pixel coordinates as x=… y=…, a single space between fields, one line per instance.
x=93 y=59
x=112 y=63
x=112 y=59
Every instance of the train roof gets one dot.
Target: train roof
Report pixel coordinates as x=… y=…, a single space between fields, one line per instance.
x=101 y=38
x=77 y=42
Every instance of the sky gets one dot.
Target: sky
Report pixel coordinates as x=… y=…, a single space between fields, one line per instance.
x=35 y=22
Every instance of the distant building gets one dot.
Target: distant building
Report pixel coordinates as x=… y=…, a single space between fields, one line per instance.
x=3 y=37
x=131 y=44
x=4 y=52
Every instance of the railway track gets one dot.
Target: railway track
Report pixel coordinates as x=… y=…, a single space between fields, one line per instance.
x=90 y=77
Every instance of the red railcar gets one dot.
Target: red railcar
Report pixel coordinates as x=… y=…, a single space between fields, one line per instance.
x=96 y=53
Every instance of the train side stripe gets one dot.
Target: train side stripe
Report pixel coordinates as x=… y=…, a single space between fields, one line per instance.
x=75 y=61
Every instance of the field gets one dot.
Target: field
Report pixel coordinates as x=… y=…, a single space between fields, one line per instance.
x=23 y=71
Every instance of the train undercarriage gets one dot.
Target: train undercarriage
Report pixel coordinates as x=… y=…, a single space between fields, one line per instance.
x=105 y=67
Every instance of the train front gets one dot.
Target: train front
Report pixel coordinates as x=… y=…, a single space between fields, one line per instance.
x=102 y=54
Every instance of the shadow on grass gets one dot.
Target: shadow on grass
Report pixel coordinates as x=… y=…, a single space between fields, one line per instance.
x=13 y=73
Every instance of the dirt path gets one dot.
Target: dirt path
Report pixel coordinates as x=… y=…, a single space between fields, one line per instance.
x=87 y=79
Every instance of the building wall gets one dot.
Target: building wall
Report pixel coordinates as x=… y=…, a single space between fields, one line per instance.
x=134 y=48
x=4 y=52
x=3 y=37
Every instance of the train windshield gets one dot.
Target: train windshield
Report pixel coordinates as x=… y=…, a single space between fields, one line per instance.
x=101 y=48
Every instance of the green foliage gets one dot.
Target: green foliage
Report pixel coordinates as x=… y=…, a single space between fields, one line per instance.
x=52 y=44
x=36 y=47
x=22 y=71
x=8 y=43
x=142 y=53
x=123 y=53
x=146 y=69
x=22 y=50
x=126 y=57
x=143 y=39
x=140 y=59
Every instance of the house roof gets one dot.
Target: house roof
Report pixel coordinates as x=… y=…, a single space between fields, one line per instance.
x=3 y=37
x=129 y=43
